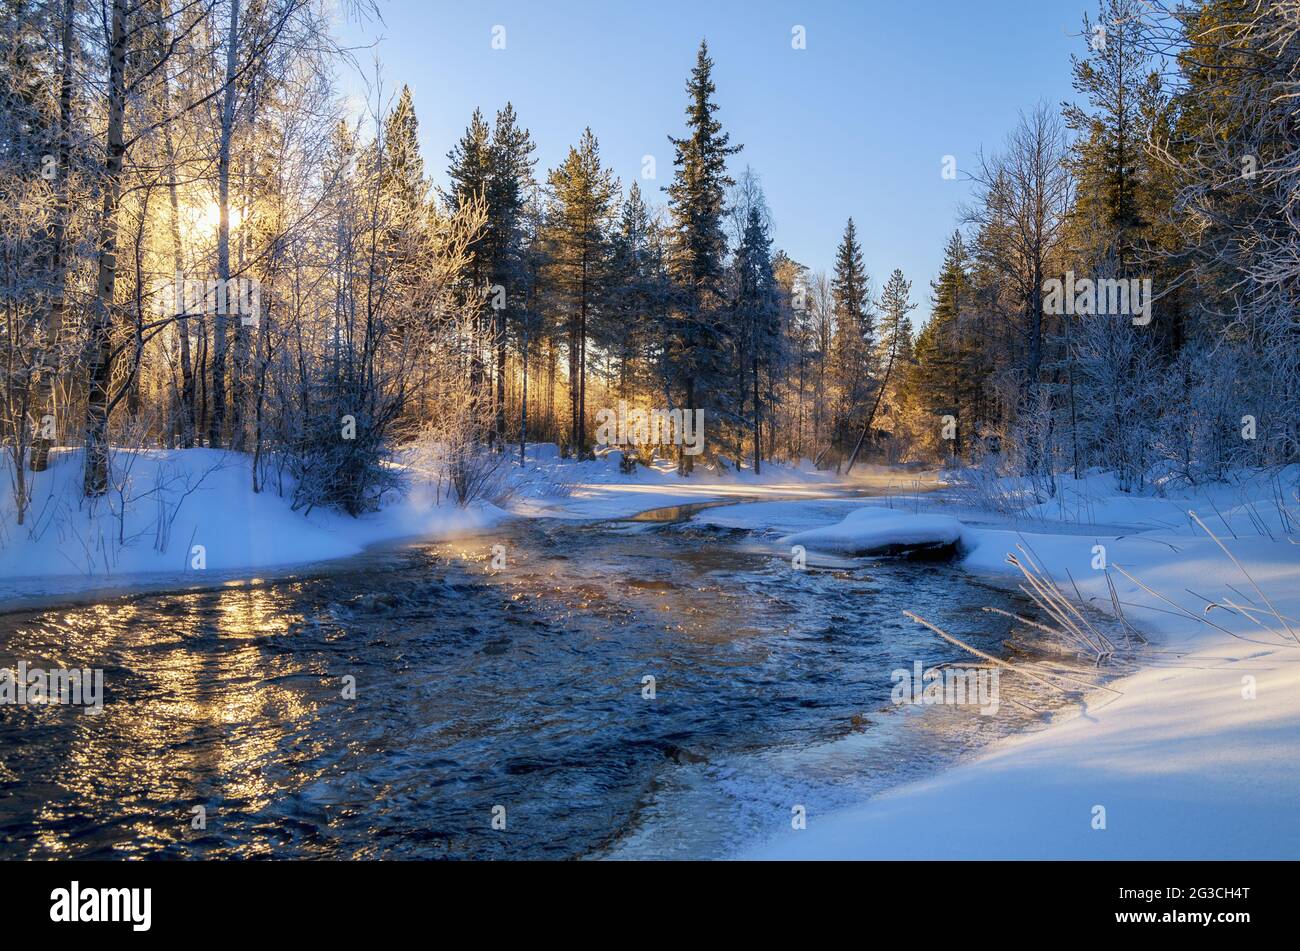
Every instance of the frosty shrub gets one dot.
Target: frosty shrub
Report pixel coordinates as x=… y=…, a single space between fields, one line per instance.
x=474 y=472
x=452 y=451
x=984 y=487
x=329 y=470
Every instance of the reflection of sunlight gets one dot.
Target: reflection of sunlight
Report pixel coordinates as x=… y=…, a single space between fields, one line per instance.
x=214 y=709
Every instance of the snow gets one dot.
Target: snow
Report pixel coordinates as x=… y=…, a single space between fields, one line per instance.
x=164 y=503
x=596 y=489
x=871 y=530
x=161 y=504
x=783 y=518
x=1198 y=759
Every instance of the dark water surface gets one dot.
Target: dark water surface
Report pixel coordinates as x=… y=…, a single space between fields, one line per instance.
x=520 y=688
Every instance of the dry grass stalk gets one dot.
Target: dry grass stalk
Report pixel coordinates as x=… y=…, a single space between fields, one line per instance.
x=979 y=653
x=1233 y=558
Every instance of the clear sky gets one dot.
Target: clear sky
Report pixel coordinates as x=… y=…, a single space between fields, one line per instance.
x=857 y=123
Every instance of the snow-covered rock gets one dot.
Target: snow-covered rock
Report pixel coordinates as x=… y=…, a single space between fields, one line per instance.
x=872 y=531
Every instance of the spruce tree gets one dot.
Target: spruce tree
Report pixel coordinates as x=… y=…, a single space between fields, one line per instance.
x=493 y=166
x=850 y=358
x=623 y=327
x=895 y=348
x=512 y=162
x=403 y=193
x=758 y=316
x=943 y=382
x=697 y=344
x=470 y=173
x=1109 y=159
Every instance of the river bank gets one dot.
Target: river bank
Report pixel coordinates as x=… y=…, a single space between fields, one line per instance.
x=187 y=519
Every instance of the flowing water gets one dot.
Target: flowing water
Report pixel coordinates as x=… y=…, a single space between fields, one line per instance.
x=516 y=694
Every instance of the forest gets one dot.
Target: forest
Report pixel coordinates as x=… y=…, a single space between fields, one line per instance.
x=201 y=245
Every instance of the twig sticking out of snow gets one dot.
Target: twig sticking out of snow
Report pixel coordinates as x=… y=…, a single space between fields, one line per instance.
x=1179 y=609
x=1118 y=607
x=1229 y=603
x=1232 y=607
x=1053 y=631
x=1216 y=512
x=1024 y=620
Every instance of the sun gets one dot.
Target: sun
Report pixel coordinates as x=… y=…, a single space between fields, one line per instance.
x=207 y=217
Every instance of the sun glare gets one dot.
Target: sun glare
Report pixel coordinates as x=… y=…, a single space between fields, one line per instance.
x=207 y=217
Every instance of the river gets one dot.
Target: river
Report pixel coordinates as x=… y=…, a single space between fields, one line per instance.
x=487 y=696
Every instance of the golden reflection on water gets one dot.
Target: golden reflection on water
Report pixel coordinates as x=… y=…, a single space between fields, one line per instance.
x=213 y=704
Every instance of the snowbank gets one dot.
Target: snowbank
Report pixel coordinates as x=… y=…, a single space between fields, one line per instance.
x=185 y=517
x=781 y=518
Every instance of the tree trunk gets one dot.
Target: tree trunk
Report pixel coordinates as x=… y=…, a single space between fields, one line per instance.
x=685 y=463
x=500 y=340
x=217 y=389
x=95 y=475
x=523 y=408
x=44 y=400
x=240 y=370
x=182 y=320
x=880 y=393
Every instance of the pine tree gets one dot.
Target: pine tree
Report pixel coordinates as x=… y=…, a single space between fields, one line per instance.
x=850 y=358
x=403 y=169
x=757 y=316
x=403 y=207
x=577 y=237
x=697 y=344
x=494 y=166
x=944 y=381
x=1108 y=161
x=625 y=326
x=796 y=351
x=896 y=346
x=470 y=173
x=511 y=156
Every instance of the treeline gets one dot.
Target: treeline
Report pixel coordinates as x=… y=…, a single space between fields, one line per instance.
x=159 y=158
x=1178 y=167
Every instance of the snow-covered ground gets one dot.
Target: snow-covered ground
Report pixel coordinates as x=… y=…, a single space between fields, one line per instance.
x=186 y=518
x=1200 y=755
x=869 y=530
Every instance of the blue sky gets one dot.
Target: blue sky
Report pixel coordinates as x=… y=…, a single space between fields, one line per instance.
x=855 y=124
